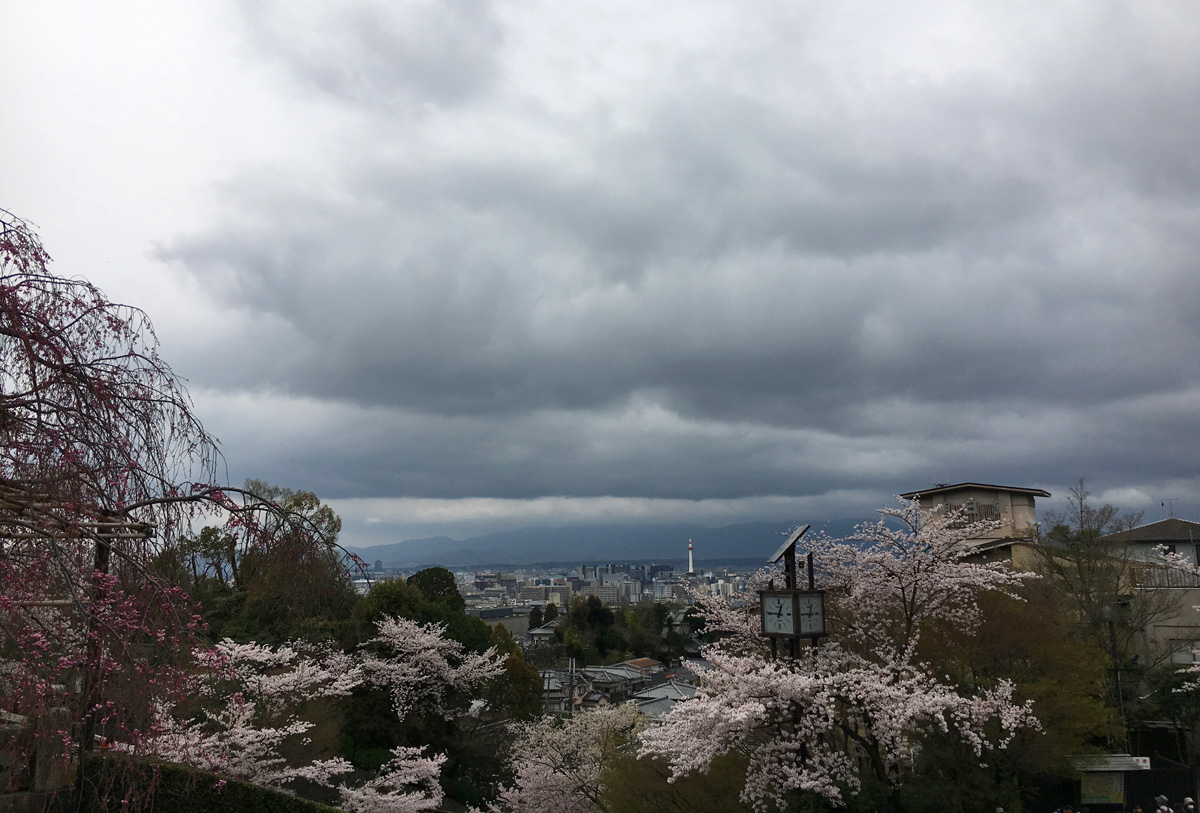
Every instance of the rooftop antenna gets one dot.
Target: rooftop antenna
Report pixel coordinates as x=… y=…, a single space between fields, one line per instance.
x=1169 y=504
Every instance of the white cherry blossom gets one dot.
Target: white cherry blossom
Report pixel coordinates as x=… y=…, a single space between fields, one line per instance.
x=857 y=703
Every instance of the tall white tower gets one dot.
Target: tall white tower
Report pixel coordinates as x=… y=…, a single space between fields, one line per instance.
x=691 y=567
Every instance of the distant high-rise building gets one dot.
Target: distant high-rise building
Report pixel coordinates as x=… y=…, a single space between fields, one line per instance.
x=691 y=566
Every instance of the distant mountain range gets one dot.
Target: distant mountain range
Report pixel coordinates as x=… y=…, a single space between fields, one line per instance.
x=592 y=543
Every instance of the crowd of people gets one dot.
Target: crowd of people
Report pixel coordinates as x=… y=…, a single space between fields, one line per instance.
x=1161 y=805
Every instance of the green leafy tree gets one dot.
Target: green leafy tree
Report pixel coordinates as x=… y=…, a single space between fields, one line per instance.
x=551 y=613
x=213 y=554
x=1095 y=575
x=395 y=598
x=437 y=584
x=535 y=618
x=633 y=785
x=516 y=694
x=588 y=630
x=406 y=600
x=287 y=581
x=644 y=625
x=1028 y=640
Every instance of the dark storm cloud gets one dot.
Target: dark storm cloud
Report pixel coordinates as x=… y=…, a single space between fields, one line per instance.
x=786 y=276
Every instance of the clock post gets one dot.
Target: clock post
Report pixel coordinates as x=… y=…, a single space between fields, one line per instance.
x=792 y=613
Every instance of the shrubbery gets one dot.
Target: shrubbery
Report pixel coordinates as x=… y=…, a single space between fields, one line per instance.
x=113 y=782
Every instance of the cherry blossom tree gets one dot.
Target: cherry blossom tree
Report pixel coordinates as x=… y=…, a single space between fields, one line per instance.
x=250 y=693
x=103 y=464
x=420 y=667
x=559 y=764
x=859 y=703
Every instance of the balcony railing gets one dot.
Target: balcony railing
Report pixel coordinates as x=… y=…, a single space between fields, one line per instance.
x=1149 y=576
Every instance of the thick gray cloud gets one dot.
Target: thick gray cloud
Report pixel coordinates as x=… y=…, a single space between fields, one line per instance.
x=696 y=251
x=381 y=53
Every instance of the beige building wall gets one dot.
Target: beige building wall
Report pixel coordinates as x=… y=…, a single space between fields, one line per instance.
x=1175 y=633
x=1014 y=507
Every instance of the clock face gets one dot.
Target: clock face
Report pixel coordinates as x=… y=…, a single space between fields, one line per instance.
x=812 y=614
x=777 y=615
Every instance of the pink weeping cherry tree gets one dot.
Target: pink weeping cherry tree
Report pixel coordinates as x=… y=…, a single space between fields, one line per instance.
x=103 y=466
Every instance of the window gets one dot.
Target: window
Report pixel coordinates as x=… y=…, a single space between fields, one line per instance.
x=977 y=511
x=1184 y=651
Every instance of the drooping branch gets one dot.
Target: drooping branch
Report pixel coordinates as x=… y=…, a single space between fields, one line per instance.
x=103 y=466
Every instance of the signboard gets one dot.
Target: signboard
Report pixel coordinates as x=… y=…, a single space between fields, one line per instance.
x=1106 y=788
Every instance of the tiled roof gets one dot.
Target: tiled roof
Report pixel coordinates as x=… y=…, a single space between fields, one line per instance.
x=614 y=672
x=658 y=700
x=653 y=709
x=1108 y=763
x=644 y=663
x=670 y=691
x=1165 y=530
x=926 y=492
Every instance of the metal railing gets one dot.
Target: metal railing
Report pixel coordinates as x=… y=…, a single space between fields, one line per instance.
x=1152 y=576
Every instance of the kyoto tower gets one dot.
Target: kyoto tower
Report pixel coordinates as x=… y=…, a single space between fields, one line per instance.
x=691 y=567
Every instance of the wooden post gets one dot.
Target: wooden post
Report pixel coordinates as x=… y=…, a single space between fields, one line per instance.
x=91 y=671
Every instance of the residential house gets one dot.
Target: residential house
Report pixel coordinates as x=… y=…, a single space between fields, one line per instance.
x=564 y=692
x=647 y=666
x=545 y=633
x=1176 y=632
x=617 y=682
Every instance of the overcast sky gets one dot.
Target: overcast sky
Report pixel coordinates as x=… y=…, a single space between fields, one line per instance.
x=460 y=266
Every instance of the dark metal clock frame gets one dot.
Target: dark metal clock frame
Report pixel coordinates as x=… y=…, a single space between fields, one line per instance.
x=795 y=596
x=787 y=552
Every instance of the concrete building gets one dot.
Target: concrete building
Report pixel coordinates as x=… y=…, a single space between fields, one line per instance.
x=514 y=619
x=609 y=594
x=533 y=593
x=1014 y=507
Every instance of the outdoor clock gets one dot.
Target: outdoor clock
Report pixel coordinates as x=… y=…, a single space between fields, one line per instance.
x=811 y=613
x=778 y=613
x=792 y=613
